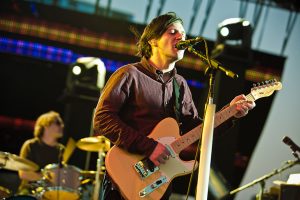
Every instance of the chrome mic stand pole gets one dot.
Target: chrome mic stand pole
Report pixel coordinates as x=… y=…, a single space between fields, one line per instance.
x=208 y=128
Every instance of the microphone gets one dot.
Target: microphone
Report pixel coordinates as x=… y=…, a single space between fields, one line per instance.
x=183 y=44
x=288 y=141
x=215 y=64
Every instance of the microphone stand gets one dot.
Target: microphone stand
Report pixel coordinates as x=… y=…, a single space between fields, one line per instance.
x=206 y=143
x=213 y=63
x=208 y=126
x=262 y=179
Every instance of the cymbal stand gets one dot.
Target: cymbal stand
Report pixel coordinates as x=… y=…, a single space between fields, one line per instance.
x=100 y=162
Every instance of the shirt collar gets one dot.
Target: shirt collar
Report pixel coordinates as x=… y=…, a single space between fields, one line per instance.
x=154 y=72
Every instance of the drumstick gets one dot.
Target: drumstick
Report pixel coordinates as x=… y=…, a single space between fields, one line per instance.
x=71 y=145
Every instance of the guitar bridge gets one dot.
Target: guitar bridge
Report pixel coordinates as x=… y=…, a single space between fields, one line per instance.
x=145 y=168
x=150 y=188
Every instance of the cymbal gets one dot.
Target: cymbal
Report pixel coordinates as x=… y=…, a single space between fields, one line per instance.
x=14 y=162
x=95 y=144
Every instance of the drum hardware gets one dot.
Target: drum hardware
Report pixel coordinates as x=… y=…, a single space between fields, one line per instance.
x=101 y=145
x=4 y=192
x=90 y=174
x=14 y=162
x=87 y=189
x=100 y=162
x=86 y=181
x=61 y=182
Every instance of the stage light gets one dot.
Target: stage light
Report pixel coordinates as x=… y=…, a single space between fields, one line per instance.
x=246 y=23
x=86 y=77
x=224 y=31
x=89 y=71
x=234 y=31
x=76 y=70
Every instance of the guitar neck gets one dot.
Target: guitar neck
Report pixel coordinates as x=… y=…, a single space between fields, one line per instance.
x=189 y=138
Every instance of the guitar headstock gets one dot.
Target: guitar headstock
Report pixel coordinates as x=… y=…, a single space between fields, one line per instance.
x=265 y=88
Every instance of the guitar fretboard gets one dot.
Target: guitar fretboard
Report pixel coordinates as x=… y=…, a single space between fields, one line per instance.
x=189 y=138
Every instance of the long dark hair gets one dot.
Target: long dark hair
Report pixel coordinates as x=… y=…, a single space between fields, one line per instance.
x=154 y=30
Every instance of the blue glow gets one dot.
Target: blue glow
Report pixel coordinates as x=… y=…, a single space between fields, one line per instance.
x=196 y=84
x=60 y=55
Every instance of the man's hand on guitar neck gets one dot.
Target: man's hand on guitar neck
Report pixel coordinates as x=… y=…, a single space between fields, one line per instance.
x=159 y=155
x=242 y=105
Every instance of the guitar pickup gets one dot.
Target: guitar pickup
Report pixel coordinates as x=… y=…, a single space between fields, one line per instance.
x=150 y=188
x=145 y=168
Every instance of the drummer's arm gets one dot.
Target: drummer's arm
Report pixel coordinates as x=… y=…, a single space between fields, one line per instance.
x=30 y=175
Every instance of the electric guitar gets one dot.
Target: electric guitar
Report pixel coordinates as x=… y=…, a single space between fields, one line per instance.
x=138 y=178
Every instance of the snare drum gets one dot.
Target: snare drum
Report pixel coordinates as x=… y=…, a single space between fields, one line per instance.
x=61 y=182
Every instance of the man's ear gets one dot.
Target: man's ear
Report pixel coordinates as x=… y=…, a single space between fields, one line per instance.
x=153 y=42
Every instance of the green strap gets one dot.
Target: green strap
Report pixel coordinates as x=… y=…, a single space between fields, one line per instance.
x=177 y=103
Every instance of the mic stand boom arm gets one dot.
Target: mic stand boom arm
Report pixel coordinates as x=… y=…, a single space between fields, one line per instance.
x=263 y=178
x=213 y=63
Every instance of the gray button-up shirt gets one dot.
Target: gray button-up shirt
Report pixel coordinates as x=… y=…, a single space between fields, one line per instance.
x=134 y=100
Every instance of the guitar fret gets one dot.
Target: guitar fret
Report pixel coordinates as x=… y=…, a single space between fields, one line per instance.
x=224 y=115
x=192 y=136
x=250 y=97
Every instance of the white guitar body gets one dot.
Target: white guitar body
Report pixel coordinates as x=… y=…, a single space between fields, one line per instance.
x=121 y=163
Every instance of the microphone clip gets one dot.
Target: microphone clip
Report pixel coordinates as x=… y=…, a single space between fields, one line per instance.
x=213 y=64
x=181 y=45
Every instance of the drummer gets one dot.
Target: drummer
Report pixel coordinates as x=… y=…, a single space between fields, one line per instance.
x=43 y=149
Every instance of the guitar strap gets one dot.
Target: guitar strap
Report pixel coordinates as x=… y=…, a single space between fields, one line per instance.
x=177 y=100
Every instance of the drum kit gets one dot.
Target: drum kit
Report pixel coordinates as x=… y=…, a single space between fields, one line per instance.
x=14 y=162
x=60 y=181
